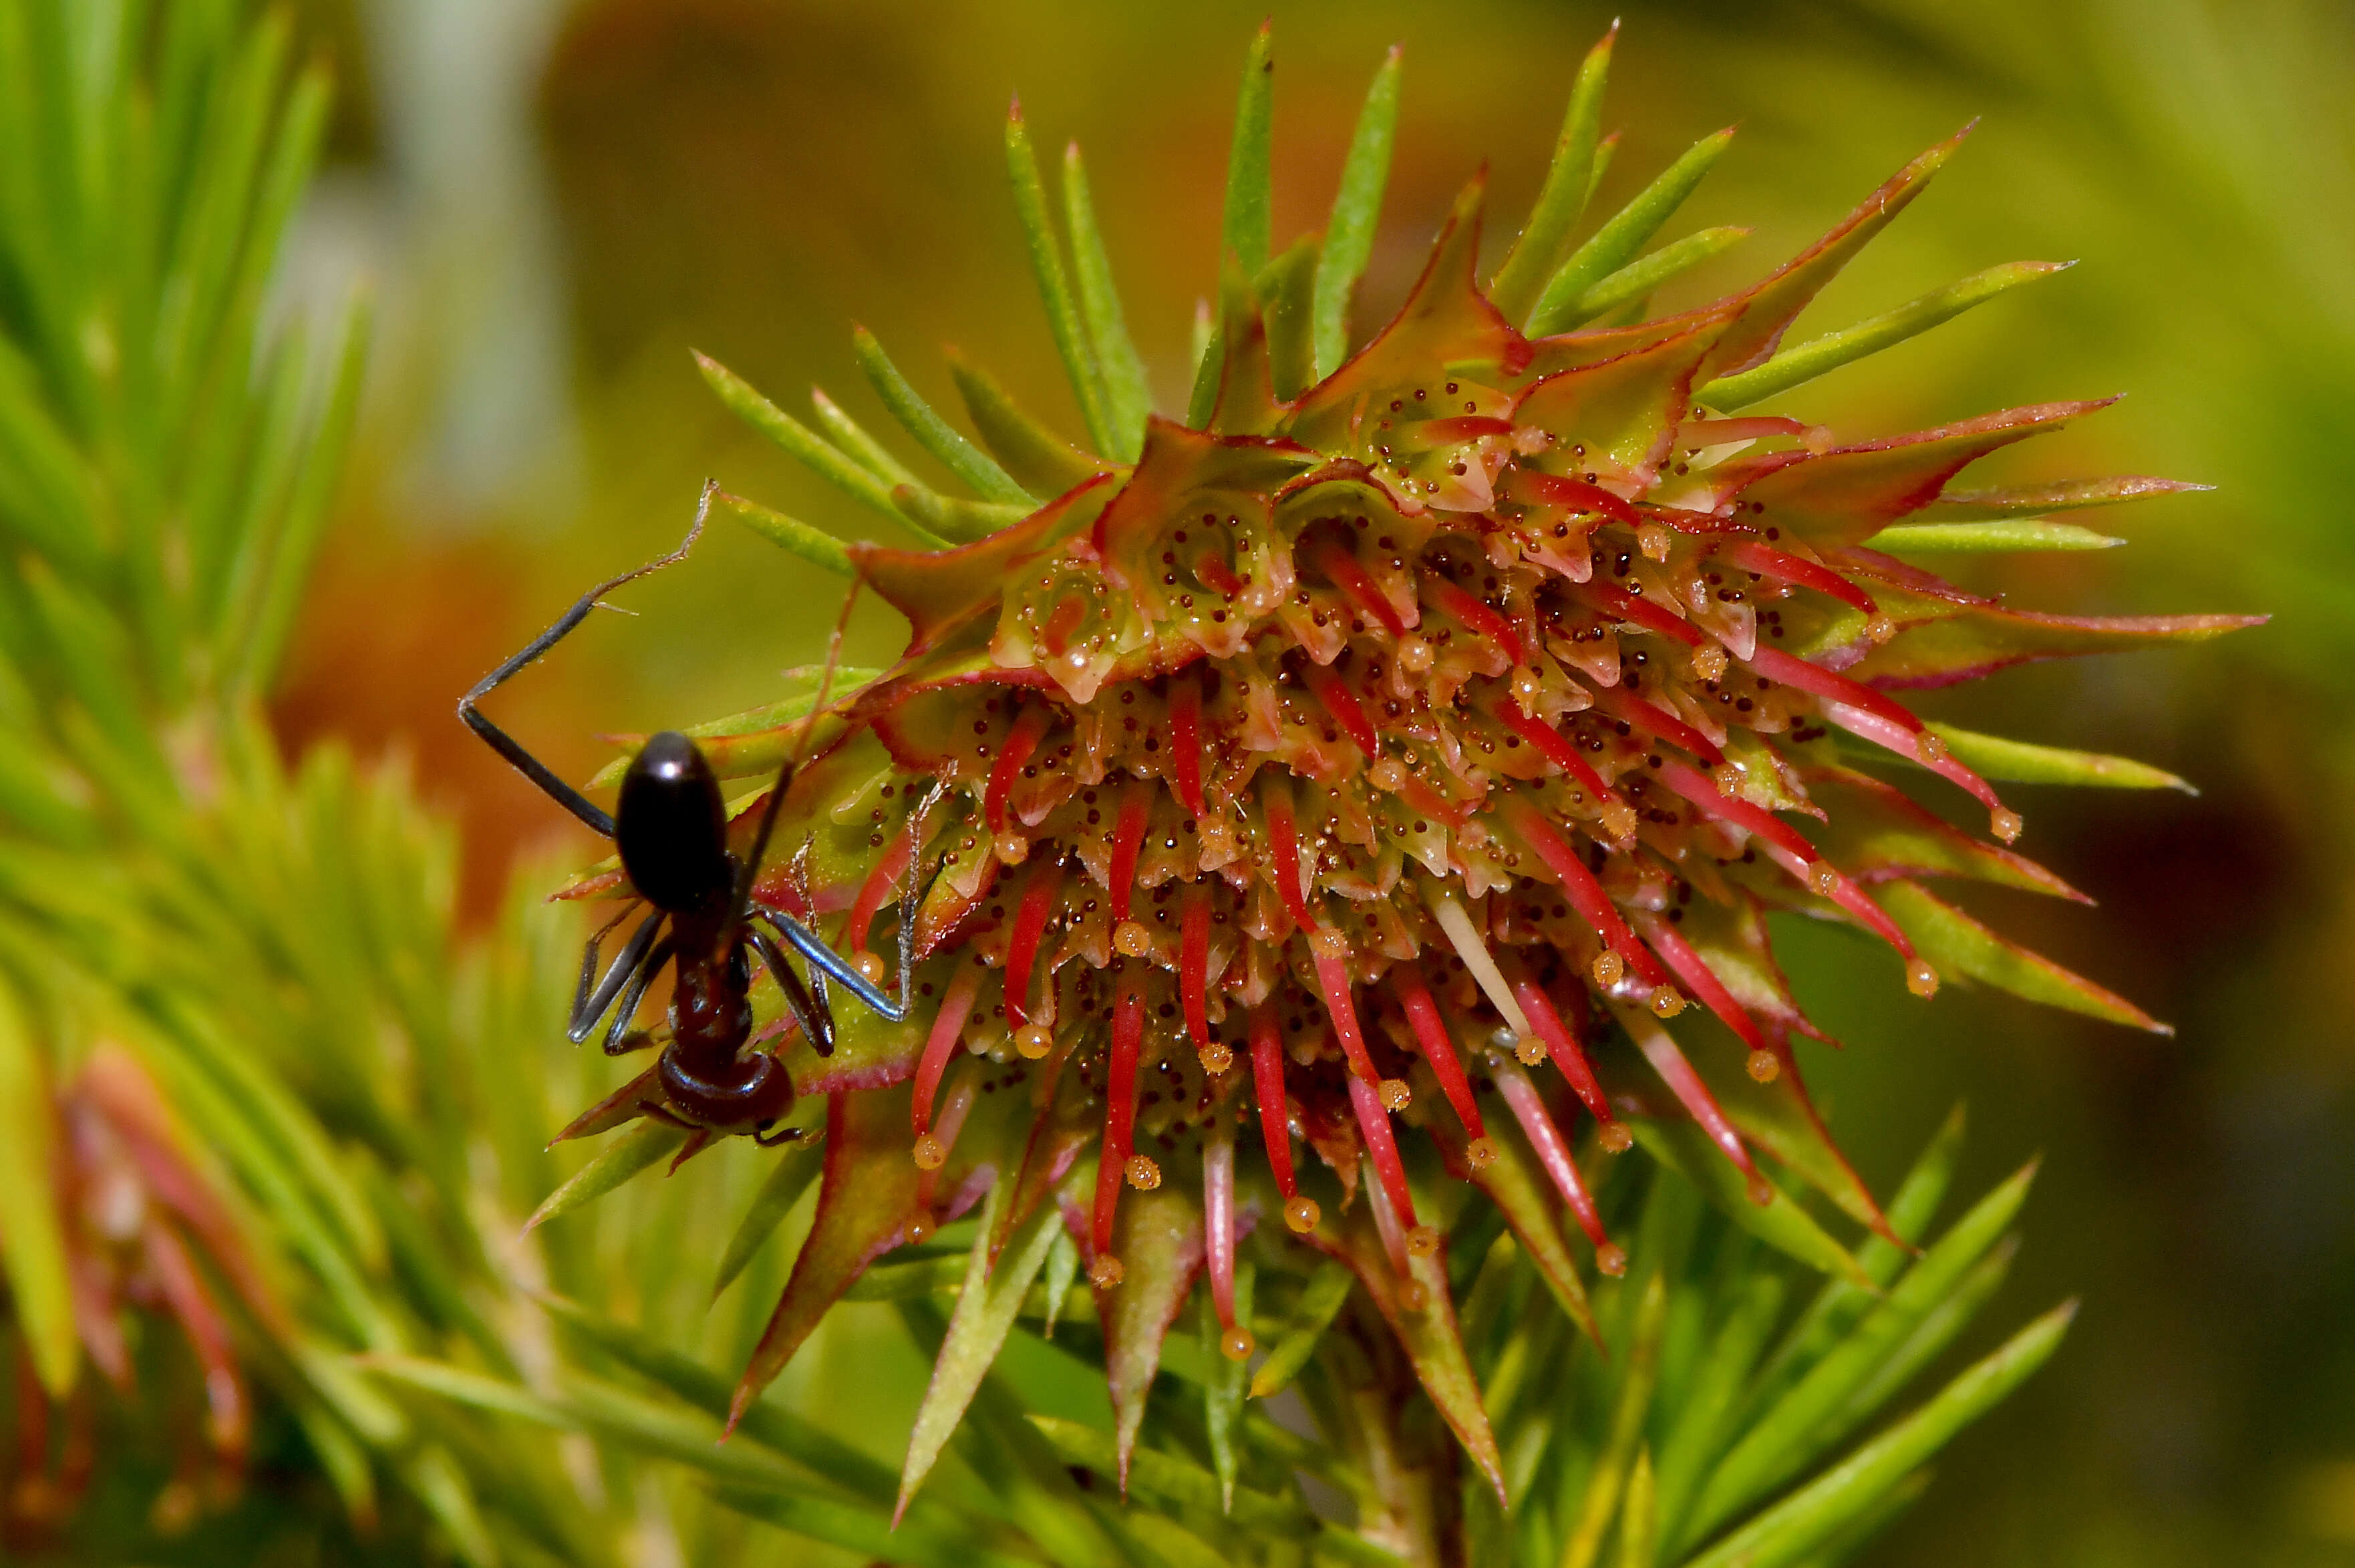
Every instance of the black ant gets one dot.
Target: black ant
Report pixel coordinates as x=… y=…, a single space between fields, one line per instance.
x=671 y=827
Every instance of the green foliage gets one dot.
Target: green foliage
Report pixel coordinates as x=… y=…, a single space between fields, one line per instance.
x=368 y=1104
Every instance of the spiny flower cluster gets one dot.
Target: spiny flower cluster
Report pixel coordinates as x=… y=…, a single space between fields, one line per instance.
x=1388 y=770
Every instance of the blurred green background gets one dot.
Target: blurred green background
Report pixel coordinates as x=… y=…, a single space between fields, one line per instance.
x=557 y=200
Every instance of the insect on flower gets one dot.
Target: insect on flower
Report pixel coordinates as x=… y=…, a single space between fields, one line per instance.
x=1376 y=763
x=671 y=829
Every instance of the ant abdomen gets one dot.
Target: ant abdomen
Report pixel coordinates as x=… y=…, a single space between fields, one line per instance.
x=672 y=828
x=750 y=1093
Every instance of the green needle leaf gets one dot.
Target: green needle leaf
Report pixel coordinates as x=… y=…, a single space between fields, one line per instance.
x=2029 y=533
x=769 y=1425
x=1129 y=404
x=1568 y=183
x=1798 y=1425
x=1349 y=231
x=2017 y=762
x=852 y=437
x=865 y=1536
x=1685 y=1148
x=1639 y=277
x=950 y=520
x=985 y=1313
x=1623 y=234
x=1788 y=1532
x=934 y=433
x=1840 y=1303
x=1795 y=367
x=797 y=1168
x=811 y=450
x=1328 y=1288
x=1244 y=235
x=305 y=516
x=1958 y=944
x=1224 y=1390
x=1286 y=309
x=813 y=544
x=642 y=1144
x=1640 y=1520
x=1035 y=456
x=1054 y=288
x=1599 y=1504
x=32 y=1237
x=1153 y=1474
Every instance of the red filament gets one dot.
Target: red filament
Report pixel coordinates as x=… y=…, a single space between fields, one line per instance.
x=1120 y=1115
x=1584 y=893
x=1127 y=835
x=1186 y=739
x=1528 y=1109
x=1677 y=1073
x=1267 y=1079
x=1474 y=613
x=1656 y=721
x=1358 y=586
x=1342 y=704
x=1381 y=1151
x=1561 y=490
x=1549 y=743
x=1414 y=993
x=1640 y=612
x=873 y=891
x=1283 y=851
x=1021 y=742
x=1194 y=969
x=1219 y=1216
x=947 y=1024
x=1560 y=1043
x=1768 y=561
x=1700 y=978
x=1022 y=947
x=1333 y=979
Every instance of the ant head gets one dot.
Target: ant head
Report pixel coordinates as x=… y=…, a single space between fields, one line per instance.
x=671 y=826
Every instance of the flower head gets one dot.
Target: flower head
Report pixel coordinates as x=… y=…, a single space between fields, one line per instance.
x=1357 y=794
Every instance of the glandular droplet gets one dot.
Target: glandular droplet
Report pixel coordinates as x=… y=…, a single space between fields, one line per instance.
x=1302 y=1214
x=1481 y=1153
x=1616 y=1139
x=1105 y=1271
x=931 y=1152
x=1034 y=1040
x=1133 y=940
x=1143 y=1174
x=1611 y=1259
x=1237 y=1344
x=1919 y=978
x=1608 y=967
x=1764 y=1066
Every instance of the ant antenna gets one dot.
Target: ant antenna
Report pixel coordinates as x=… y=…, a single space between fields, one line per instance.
x=751 y=867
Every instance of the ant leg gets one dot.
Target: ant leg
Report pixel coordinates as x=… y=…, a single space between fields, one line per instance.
x=816 y=1020
x=507 y=745
x=826 y=960
x=626 y=1009
x=589 y=1006
x=781 y=1136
